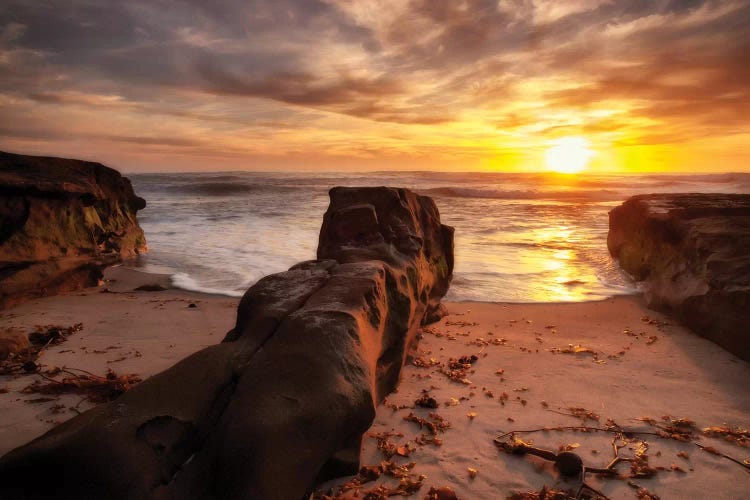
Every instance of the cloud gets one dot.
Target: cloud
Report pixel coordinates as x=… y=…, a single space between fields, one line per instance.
x=654 y=71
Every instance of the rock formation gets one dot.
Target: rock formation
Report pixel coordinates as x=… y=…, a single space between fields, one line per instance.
x=61 y=222
x=692 y=254
x=284 y=400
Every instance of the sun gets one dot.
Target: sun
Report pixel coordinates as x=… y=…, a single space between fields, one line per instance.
x=568 y=155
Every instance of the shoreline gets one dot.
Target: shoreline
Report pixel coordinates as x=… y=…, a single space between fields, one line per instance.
x=679 y=374
x=170 y=284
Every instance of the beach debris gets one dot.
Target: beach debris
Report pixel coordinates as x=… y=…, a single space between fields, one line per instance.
x=426 y=401
x=405 y=450
x=472 y=415
x=39 y=400
x=568 y=447
x=134 y=353
x=503 y=398
x=583 y=413
x=667 y=427
x=472 y=472
x=53 y=334
x=482 y=342
x=457 y=369
x=96 y=388
x=658 y=323
x=408 y=484
x=395 y=407
x=575 y=349
x=736 y=435
x=568 y=463
x=425 y=363
x=714 y=451
x=25 y=361
x=461 y=323
x=468 y=359
x=386 y=447
x=679 y=429
x=575 y=411
x=441 y=493
x=642 y=493
x=434 y=423
x=150 y=287
x=545 y=494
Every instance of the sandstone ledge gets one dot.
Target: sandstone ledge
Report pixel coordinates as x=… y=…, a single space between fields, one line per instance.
x=692 y=254
x=61 y=222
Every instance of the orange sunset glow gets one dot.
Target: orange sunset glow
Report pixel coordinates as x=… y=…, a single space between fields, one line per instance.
x=380 y=84
x=374 y=249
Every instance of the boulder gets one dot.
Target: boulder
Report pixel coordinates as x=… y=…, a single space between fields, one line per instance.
x=691 y=253
x=283 y=402
x=61 y=222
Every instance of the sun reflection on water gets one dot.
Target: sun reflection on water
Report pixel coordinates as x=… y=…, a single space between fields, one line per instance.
x=554 y=252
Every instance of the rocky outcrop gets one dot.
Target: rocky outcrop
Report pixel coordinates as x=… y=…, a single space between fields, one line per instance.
x=284 y=400
x=692 y=254
x=61 y=222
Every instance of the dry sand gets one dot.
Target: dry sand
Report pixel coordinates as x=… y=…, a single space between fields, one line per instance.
x=664 y=370
x=150 y=330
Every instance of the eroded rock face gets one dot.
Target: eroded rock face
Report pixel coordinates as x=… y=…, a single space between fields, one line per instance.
x=61 y=222
x=284 y=400
x=692 y=253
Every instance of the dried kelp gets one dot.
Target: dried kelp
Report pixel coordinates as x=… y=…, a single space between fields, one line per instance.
x=96 y=388
x=26 y=360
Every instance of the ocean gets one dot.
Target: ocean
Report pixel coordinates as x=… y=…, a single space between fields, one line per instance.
x=519 y=237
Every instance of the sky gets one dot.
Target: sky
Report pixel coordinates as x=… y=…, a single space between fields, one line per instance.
x=460 y=85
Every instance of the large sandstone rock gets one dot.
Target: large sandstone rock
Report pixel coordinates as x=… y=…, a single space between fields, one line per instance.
x=692 y=254
x=284 y=400
x=61 y=222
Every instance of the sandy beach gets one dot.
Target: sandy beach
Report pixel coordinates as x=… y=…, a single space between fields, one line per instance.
x=632 y=365
x=125 y=331
x=641 y=367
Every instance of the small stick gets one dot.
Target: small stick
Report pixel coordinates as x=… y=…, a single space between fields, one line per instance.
x=717 y=452
x=66 y=369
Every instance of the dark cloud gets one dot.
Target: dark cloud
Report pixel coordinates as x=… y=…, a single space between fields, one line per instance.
x=296 y=88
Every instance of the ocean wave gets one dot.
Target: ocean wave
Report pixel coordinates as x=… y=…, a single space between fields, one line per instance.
x=185 y=282
x=458 y=192
x=225 y=188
